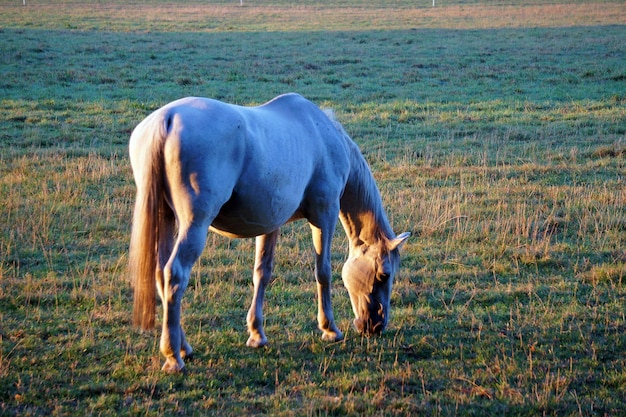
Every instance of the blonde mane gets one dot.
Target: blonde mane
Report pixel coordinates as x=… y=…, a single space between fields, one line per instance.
x=361 y=184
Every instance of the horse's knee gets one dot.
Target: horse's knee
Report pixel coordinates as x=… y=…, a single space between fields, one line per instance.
x=323 y=275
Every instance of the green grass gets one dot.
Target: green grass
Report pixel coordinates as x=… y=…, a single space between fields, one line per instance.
x=497 y=133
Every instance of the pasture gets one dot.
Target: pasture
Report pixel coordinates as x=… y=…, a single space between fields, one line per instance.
x=496 y=132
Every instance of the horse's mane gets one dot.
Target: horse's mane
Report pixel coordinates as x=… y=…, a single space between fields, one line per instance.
x=361 y=180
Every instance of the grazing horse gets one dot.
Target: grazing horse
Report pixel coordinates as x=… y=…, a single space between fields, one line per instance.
x=202 y=164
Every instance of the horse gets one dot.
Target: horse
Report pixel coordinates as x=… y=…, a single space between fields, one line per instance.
x=201 y=164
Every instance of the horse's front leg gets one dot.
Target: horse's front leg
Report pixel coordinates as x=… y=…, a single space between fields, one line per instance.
x=263 y=262
x=323 y=274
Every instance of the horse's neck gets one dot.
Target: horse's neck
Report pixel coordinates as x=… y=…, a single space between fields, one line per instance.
x=361 y=213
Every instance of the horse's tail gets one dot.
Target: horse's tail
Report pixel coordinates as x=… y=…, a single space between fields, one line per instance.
x=148 y=216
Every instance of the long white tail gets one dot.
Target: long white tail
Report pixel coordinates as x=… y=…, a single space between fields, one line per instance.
x=147 y=221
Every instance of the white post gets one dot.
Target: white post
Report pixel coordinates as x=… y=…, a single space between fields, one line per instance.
x=433 y=3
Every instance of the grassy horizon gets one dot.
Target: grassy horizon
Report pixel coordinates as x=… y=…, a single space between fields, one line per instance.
x=284 y=16
x=496 y=132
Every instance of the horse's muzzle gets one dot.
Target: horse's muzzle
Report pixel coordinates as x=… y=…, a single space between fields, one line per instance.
x=369 y=327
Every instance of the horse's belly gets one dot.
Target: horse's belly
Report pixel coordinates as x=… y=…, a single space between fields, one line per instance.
x=240 y=227
x=238 y=219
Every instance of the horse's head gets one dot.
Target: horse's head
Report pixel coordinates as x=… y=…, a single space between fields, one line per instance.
x=368 y=275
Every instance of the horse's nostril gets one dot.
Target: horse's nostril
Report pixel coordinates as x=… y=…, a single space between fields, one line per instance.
x=378 y=328
x=369 y=328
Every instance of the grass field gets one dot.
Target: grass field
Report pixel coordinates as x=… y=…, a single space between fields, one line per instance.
x=496 y=131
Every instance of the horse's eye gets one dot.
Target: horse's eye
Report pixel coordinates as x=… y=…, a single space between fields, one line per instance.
x=383 y=277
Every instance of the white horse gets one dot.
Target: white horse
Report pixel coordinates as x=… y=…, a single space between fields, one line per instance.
x=202 y=164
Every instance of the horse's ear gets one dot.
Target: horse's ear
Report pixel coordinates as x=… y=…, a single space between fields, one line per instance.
x=399 y=241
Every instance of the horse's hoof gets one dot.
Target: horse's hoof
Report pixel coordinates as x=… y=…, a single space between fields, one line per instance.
x=172 y=366
x=332 y=336
x=254 y=342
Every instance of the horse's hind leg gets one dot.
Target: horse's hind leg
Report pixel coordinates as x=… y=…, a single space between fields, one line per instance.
x=189 y=246
x=263 y=262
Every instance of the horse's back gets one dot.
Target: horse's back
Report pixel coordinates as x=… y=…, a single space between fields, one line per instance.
x=294 y=158
x=300 y=141
x=301 y=134
x=253 y=168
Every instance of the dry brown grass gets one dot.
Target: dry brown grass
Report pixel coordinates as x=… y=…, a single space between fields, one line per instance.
x=254 y=17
